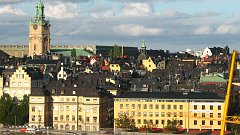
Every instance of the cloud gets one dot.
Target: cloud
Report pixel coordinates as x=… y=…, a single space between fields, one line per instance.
x=11 y=10
x=137 y=9
x=10 y=1
x=136 y=30
x=227 y=29
x=204 y=30
x=62 y=10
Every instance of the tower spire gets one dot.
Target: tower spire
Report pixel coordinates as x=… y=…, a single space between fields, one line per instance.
x=39 y=12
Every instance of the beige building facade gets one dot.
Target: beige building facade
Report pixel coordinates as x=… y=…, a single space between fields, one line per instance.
x=17 y=82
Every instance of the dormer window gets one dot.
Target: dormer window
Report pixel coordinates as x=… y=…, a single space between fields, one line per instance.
x=75 y=85
x=62 y=91
x=74 y=92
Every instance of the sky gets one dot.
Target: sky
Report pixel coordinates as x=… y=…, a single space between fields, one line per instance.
x=174 y=25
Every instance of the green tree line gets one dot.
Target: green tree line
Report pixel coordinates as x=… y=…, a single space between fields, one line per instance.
x=13 y=111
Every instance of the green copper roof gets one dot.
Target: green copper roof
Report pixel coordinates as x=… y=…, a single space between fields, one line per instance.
x=67 y=51
x=143 y=44
x=39 y=14
x=212 y=77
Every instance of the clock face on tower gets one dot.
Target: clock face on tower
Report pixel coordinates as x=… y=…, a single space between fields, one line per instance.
x=35 y=26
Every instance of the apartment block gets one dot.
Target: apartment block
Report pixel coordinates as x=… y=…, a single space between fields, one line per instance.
x=192 y=110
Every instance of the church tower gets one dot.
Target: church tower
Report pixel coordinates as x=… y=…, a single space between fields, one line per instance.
x=39 y=32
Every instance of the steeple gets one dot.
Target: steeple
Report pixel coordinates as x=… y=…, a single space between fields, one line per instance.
x=143 y=48
x=39 y=14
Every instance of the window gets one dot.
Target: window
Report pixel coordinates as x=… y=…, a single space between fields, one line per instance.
x=203 y=122
x=73 y=117
x=94 y=119
x=211 y=122
x=95 y=100
x=145 y=106
x=133 y=106
x=163 y=122
x=54 y=91
x=74 y=92
x=121 y=106
x=34 y=47
x=195 y=122
x=168 y=114
x=73 y=99
x=156 y=121
x=145 y=114
x=33 y=109
x=211 y=115
x=139 y=106
x=169 y=107
x=195 y=114
x=20 y=84
x=219 y=107
x=156 y=114
x=87 y=119
x=139 y=114
x=150 y=114
x=144 y=121
x=133 y=113
x=219 y=122
x=219 y=115
x=150 y=121
x=87 y=100
x=61 y=117
x=150 y=106
x=203 y=107
x=80 y=117
x=139 y=121
x=127 y=106
x=195 y=107
x=33 y=99
x=62 y=91
x=13 y=84
x=67 y=117
x=55 y=117
x=33 y=117
x=163 y=114
x=157 y=106
x=211 y=107
x=203 y=115
x=67 y=108
x=163 y=107
x=175 y=107
x=181 y=114
x=181 y=122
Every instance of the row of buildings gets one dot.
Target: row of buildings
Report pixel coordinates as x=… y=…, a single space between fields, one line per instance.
x=90 y=89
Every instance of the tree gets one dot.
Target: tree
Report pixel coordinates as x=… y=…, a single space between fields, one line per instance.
x=73 y=52
x=12 y=112
x=172 y=125
x=6 y=105
x=124 y=121
x=116 y=51
x=110 y=54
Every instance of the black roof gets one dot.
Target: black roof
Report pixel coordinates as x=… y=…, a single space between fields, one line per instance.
x=173 y=95
x=42 y=61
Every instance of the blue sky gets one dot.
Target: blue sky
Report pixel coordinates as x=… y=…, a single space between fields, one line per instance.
x=163 y=24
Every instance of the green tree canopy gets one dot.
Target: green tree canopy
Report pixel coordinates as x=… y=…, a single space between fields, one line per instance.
x=116 y=51
x=73 y=52
x=13 y=111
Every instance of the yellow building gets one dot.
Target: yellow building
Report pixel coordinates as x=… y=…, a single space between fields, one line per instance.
x=17 y=82
x=70 y=104
x=149 y=64
x=39 y=32
x=192 y=110
x=115 y=67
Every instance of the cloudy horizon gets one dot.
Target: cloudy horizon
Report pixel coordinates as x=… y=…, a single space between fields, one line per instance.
x=173 y=25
